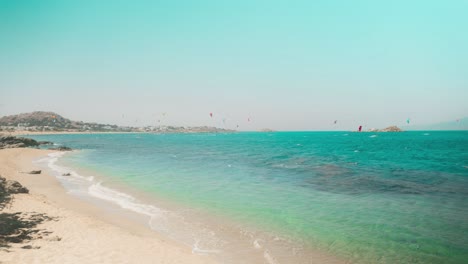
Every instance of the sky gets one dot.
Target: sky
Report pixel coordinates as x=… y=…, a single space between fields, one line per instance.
x=283 y=65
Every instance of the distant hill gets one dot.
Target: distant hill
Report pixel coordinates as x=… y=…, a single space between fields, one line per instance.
x=38 y=118
x=460 y=124
x=41 y=121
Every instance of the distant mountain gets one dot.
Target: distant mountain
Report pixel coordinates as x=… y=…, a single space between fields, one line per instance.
x=460 y=124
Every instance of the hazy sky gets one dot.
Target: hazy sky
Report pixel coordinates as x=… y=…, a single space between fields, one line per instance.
x=288 y=65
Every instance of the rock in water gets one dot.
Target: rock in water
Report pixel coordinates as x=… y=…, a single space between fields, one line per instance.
x=62 y=148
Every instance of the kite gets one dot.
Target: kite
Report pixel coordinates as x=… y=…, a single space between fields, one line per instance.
x=407 y=121
x=211 y=115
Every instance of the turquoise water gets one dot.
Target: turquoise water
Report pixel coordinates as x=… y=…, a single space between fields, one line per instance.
x=365 y=197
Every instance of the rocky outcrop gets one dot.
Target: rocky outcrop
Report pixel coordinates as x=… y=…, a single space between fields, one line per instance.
x=11 y=187
x=18 y=227
x=17 y=142
x=391 y=129
x=15 y=187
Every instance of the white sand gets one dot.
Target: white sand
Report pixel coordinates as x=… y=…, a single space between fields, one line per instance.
x=81 y=232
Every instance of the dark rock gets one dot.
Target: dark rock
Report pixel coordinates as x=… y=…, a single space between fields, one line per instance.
x=66 y=174
x=17 y=142
x=63 y=148
x=15 y=187
x=45 y=143
x=34 y=172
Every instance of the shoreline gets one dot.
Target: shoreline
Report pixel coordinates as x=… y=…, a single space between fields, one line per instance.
x=80 y=231
x=223 y=238
x=204 y=232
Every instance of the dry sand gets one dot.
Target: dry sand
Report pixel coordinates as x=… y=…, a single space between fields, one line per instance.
x=79 y=231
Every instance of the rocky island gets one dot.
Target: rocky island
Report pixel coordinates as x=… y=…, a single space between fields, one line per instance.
x=387 y=129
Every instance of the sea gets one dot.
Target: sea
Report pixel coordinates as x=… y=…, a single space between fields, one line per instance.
x=282 y=197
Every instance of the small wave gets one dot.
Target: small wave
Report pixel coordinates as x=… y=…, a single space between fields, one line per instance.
x=51 y=161
x=84 y=185
x=124 y=200
x=373 y=136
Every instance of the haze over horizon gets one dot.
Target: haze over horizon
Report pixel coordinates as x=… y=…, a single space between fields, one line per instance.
x=282 y=65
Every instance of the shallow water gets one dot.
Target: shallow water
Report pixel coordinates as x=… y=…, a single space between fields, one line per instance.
x=363 y=197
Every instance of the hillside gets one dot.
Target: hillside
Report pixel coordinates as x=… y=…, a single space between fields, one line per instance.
x=38 y=118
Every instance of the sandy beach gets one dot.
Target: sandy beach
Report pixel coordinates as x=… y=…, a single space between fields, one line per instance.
x=76 y=231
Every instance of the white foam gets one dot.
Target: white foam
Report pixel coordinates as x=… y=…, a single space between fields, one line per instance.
x=196 y=249
x=257 y=244
x=269 y=258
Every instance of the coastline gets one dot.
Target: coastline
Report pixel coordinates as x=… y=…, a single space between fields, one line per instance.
x=35 y=133
x=78 y=231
